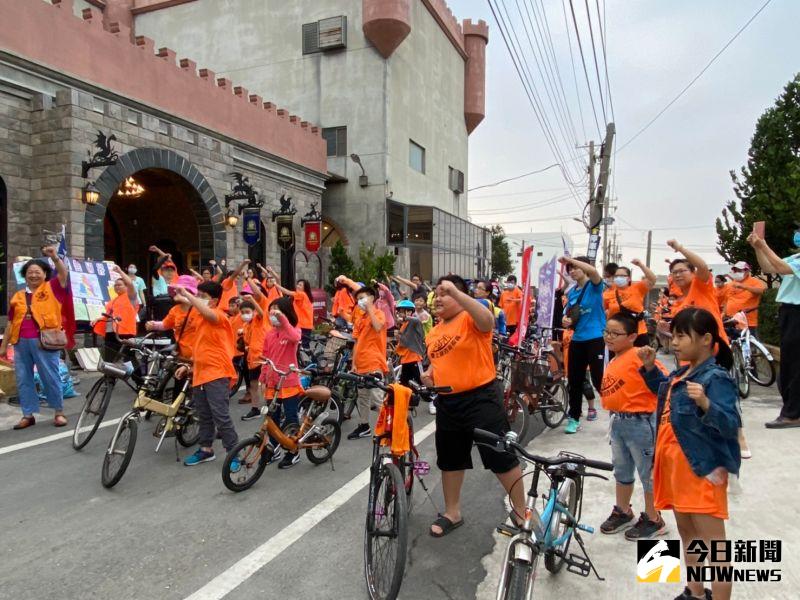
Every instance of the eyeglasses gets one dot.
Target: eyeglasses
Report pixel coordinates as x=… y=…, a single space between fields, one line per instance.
x=680 y=271
x=612 y=334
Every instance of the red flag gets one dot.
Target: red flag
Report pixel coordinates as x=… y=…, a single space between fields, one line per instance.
x=527 y=271
x=68 y=316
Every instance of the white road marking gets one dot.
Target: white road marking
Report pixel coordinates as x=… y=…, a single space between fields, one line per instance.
x=53 y=438
x=227 y=581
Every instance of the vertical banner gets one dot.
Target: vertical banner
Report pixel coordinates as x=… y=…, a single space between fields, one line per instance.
x=285 y=232
x=548 y=281
x=525 y=312
x=594 y=244
x=251 y=226
x=313 y=230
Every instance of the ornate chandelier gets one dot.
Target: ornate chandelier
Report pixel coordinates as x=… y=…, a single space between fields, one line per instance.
x=130 y=188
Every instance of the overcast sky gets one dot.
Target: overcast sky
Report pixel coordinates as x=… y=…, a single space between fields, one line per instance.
x=674 y=177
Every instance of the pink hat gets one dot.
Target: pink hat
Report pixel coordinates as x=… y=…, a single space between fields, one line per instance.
x=188 y=282
x=246 y=289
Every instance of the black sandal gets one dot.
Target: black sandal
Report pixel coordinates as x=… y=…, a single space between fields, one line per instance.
x=446 y=525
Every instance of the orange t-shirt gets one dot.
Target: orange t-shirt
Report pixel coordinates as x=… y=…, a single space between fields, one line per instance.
x=461 y=354
x=721 y=294
x=272 y=293
x=369 y=353
x=739 y=299
x=254 y=333
x=632 y=297
x=608 y=296
x=238 y=325
x=304 y=310
x=511 y=303
x=343 y=303
x=675 y=485
x=701 y=295
x=406 y=356
x=213 y=350
x=229 y=290
x=624 y=389
x=185 y=336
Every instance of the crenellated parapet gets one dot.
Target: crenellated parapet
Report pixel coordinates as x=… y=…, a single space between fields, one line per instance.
x=109 y=58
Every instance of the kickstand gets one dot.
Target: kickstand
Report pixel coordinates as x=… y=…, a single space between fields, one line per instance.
x=177 y=453
x=579 y=539
x=424 y=487
x=331 y=461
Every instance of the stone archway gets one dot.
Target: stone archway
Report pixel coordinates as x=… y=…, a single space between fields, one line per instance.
x=207 y=210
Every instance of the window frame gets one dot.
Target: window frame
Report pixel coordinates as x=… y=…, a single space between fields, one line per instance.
x=411 y=146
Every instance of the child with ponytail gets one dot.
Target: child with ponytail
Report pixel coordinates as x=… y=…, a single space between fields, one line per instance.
x=696 y=436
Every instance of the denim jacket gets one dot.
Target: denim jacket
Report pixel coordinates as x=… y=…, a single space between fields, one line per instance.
x=709 y=440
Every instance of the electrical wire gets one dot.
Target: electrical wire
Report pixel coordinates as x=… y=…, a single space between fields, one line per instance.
x=698 y=76
x=585 y=70
x=574 y=74
x=480 y=187
x=521 y=207
x=596 y=67
x=601 y=25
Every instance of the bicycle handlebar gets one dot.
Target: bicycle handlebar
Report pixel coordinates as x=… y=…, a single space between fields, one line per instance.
x=292 y=368
x=508 y=444
x=371 y=381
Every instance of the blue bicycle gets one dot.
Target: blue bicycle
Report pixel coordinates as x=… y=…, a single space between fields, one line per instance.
x=550 y=532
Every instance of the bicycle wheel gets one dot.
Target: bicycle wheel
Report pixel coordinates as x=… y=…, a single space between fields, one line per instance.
x=762 y=369
x=386 y=534
x=347 y=392
x=253 y=456
x=740 y=375
x=188 y=432
x=93 y=411
x=519 y=576
x=331 y=434
x=560 y=525
x=334 y=408
x=555 y=404
x=516 y=415
x=119 y=453
x=239 y=381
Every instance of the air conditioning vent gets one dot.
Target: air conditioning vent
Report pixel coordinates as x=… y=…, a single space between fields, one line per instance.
x=326 y=34
x=456 y=181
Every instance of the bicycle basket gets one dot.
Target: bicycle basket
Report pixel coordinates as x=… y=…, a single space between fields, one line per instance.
x=332 y=346
x=529 y=376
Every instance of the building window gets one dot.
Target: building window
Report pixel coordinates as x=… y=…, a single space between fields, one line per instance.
x=336 y=138
x=416 y=156
x=326 y=34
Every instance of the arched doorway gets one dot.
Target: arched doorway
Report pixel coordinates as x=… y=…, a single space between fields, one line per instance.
x=3 y=248
x=177 y=211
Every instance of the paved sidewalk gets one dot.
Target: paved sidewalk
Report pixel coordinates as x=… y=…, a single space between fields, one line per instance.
x=765 y=508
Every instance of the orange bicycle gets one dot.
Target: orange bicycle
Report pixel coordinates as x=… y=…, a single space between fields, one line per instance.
x=319 y=434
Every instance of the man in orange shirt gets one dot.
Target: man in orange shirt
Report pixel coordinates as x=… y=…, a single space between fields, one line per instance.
x=721 y=291
x=212 y=372
x=744 y=293
x=511 y=303
x=369 y=354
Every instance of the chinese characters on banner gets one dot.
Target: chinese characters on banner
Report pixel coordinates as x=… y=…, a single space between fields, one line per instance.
x=548 y=281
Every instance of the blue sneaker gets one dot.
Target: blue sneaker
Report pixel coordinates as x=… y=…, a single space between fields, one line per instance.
x=235 y=465
x=200 y=456
x=572 y=426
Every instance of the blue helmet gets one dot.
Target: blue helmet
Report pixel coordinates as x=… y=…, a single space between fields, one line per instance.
x=406 y=304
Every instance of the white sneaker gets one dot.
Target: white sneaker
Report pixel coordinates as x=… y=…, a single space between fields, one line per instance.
x=431 y=408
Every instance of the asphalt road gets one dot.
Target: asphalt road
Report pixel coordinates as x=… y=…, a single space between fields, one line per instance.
x=171 y=532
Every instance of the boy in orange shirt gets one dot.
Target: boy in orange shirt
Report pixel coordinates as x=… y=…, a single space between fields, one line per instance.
x=511 y=303
x=212 y=372
x=254 y=309
x=369 y=354
x=632 y=431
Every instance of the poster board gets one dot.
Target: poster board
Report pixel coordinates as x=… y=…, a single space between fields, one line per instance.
x=92 y=284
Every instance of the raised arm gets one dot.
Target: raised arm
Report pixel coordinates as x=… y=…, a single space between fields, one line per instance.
x=769 y=261
x=649 y=276
x=61 y=269
x=592 y=273
x=286 y=329
x=701 y=268
x=373 y=312
x=196 y=275
x=283 y=290
x=240 y=269
x=483 y=317
x=405 y=282
x=354 y=287
x=129 y=285
x=205 y=311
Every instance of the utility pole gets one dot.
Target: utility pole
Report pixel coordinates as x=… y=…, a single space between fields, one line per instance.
x=649 y=247
x=598 y=198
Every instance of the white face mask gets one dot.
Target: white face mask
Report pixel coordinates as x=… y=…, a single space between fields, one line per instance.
x=362 y=303
x=247 y=317
x=621 y=281
x=274 y=320
x=509 y=286
x=737 y=276
x=131 y=270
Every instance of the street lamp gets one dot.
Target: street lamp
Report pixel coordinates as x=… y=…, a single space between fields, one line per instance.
x=90 y=194
x=105 y=156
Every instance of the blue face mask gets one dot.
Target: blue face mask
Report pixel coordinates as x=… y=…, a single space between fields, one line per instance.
x=796 y=239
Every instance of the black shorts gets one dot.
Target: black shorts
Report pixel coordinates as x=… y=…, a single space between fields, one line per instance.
x=253 y=374
x=457 y=415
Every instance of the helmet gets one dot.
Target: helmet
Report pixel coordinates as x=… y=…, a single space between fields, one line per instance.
x=406 y=304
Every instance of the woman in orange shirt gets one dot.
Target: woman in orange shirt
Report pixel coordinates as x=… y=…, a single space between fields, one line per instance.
x=697 y=436
x=123 y=308
x=460 y=351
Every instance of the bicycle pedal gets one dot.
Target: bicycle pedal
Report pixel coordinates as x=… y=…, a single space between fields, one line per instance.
x=507 y=530
x=578 y=565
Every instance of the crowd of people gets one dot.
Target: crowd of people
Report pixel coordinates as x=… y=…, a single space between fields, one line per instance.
x=680 y=433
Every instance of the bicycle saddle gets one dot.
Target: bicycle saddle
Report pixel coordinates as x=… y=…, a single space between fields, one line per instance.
x=318 y=393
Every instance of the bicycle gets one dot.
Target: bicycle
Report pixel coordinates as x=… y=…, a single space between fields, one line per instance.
x=317 y=433
x=751 y=359
x=391 y=485
x=550 y=532
x=99 y=396
x=177 y=414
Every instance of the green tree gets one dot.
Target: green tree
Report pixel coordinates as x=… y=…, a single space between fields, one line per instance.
x=768 y=187
x=501 y=253
x=341 y=264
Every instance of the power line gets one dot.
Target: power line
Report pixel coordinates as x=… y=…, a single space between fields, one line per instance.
x=521 y=207
x=601 y=25
x=574 y=74
x=540 y=191
x=585 y=70
x=514 y=178
x=700 y=74
x=553 y=218
x=596 y=67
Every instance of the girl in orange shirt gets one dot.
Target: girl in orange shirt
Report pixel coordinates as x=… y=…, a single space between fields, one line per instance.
x=303 y=305
x=696 y=438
